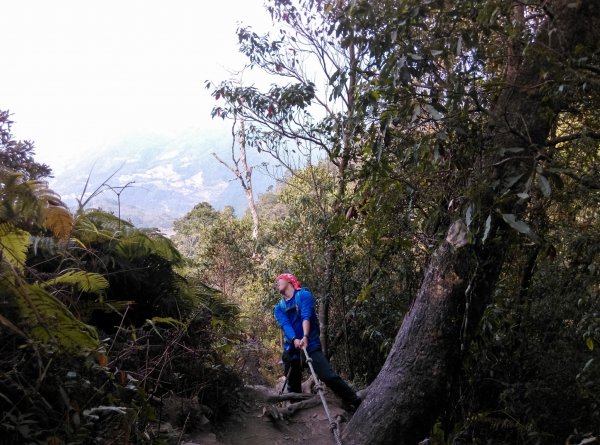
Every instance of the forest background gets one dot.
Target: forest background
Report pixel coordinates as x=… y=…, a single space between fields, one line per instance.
x=437 y=192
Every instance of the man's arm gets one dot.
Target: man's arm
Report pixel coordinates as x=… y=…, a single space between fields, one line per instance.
x=306 y=330
x=307 y=308
x=307 y=305
x=284 y=322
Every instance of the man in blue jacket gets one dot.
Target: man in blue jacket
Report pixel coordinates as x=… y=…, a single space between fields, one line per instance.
x=296 y=315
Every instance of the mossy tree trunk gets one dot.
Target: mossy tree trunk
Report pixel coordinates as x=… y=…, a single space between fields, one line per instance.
x=411 y=389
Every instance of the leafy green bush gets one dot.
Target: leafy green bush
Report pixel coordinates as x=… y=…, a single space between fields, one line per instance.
x=97 y=325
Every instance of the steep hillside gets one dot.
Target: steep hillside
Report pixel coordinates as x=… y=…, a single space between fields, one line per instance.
x=169 y=177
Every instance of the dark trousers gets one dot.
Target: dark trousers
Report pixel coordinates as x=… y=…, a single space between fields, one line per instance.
x=325 y=373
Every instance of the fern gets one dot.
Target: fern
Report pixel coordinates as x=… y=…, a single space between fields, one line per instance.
x=144 y=243
x=107 y=221
x=50 y=321
x=86 y=231
x=14 y=243
x=59 y=220
x=84 y=281
x=32 y=204
x=96 y=225
x=131 y=242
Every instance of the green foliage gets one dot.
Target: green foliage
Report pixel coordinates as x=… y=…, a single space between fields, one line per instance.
x=14 y=243
x=399 y=135
x=73 y=401
x=63 y=279
x=84 y=281
x=50 y=321
x=31 y=204
x=415 y=138
x=218 y=247
x=531 y=377
x=140 y=244
x=17 y=156
x=44 y=317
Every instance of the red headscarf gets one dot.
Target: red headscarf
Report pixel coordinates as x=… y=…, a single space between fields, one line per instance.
x=290 y=278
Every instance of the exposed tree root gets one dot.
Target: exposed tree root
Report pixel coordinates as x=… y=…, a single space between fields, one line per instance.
x=277 y=413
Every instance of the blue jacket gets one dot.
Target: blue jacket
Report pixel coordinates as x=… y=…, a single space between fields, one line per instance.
x=290 y=315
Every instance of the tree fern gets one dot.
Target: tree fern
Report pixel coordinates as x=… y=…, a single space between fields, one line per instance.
x=85 y=231
x=48 y=245
x=14 y=243
x=50 y=321
x=59 y=221
x=106 y=221
x=131 y=242
x=144 y=243
x=31 y=203
x=84 y=281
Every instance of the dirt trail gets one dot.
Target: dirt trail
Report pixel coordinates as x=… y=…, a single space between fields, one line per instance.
x=252 y=426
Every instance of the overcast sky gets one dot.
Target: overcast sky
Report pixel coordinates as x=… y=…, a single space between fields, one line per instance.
x=79 y=74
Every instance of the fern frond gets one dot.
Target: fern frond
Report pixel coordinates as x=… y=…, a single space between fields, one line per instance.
x=96 y=225
x=134 y=246
x=107 y=221
x=51 y=247
x=144 y=243
x=164 y=247
x=44 y=244
x=17 y=197
x=59 y=220
x=85 y=230
x=49 y=320
x=85 y=281
x=14 y=243
x=31 y=202
x=49 y=196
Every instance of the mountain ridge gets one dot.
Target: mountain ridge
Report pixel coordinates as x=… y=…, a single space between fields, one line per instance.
x=159 y=179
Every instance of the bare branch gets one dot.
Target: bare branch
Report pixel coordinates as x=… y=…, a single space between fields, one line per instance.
x=573 y=137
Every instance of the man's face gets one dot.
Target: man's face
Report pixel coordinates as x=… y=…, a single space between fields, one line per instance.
x=282 y=285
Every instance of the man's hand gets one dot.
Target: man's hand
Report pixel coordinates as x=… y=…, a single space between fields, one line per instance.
x=301 y=344
x=304 y=342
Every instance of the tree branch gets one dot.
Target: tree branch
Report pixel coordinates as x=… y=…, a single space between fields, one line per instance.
x=573 y=137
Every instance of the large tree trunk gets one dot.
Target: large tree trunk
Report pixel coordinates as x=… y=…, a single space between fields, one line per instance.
x=405 y=399
x=411 y=389
x=331 y=257
x=332 y=249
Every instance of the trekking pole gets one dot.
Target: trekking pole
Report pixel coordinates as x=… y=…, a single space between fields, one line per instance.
x=319 y=386
x=287 y=378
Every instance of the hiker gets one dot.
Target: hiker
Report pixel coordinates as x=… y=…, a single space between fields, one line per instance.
x=296 y=315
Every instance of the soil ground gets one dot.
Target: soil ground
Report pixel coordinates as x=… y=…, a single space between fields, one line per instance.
x=253 y=426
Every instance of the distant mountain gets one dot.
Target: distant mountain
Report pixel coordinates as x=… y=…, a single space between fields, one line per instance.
x=170 y=177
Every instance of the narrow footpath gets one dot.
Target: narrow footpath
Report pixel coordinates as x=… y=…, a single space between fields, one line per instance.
x=256 y=423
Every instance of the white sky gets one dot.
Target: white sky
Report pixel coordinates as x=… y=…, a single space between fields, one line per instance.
x=79 y=74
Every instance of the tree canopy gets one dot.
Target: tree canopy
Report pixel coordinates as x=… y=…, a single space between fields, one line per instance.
x=437 y=166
